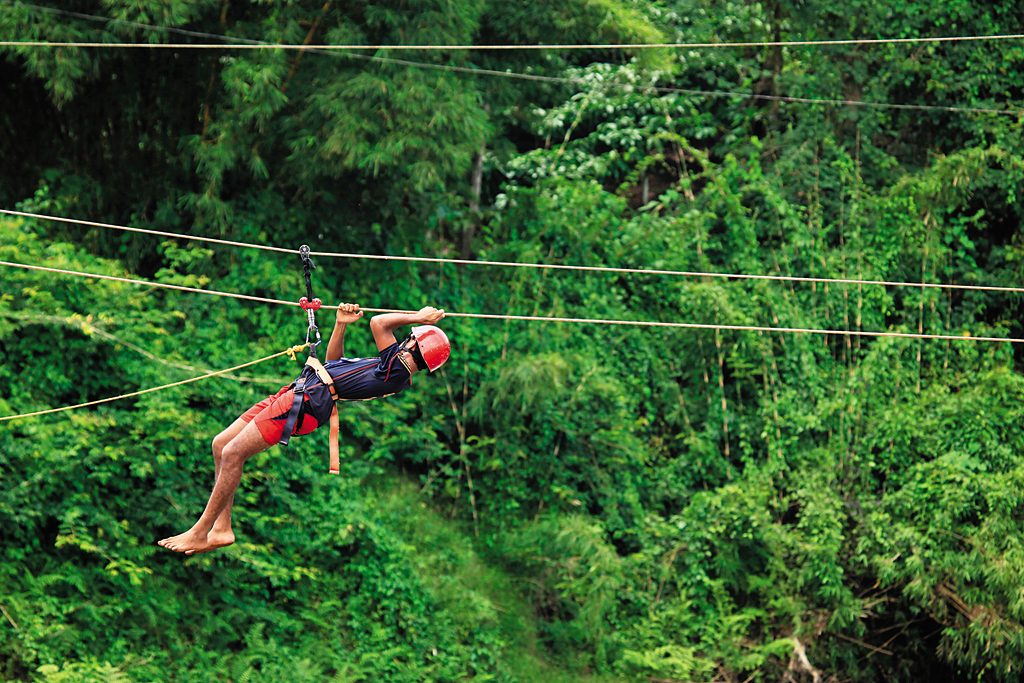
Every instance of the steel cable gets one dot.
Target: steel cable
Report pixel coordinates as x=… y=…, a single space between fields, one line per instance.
x=539 y=318
x=518 y=264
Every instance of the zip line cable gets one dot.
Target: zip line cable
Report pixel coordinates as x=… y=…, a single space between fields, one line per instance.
x=161 y=285
x=138 y=24
x=287 y=352
x=517 y=264
x=301 y=47
x=717 y=94
x=727 y=94
x=678 y=273
x=540 y=318
x=147 y=231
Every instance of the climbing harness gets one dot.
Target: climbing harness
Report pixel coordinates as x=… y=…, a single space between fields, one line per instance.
x=313 y=368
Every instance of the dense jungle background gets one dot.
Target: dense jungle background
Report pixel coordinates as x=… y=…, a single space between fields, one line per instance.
x=562 y=502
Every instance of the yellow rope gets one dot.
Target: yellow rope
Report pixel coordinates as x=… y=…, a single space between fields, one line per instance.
x=287 y=352
x=86 y=325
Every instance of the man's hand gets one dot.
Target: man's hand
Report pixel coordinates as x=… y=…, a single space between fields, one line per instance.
x=347 y=313
x=428 y=315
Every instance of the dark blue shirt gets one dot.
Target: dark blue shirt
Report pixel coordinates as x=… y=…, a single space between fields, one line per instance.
x=360 y=379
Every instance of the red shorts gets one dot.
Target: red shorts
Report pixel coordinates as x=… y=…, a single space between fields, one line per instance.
x=271 y=413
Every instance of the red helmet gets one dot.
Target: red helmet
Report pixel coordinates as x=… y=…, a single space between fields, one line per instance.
x=433 y=344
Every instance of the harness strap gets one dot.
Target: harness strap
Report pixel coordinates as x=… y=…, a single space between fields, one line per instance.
x=299 y=387
x=335 y=463
x=325 y=377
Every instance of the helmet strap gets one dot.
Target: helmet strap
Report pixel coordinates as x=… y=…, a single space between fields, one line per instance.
x=418 y=357
x=415 y=352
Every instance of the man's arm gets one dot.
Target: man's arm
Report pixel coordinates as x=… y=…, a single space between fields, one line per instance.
x=347 y=313
x=384 y=325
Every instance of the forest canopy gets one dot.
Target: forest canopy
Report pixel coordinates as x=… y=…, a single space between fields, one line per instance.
x=561 y=502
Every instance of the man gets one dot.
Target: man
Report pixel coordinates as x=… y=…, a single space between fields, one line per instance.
x=263 y=425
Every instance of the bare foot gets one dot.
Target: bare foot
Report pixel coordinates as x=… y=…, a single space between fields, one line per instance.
x=217 y=539
x=189 y=542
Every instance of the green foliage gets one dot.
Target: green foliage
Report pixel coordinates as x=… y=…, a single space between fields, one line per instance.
x=560 y=502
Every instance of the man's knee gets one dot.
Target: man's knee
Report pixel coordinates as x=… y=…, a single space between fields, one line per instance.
x=235 y=451
x=219 y=443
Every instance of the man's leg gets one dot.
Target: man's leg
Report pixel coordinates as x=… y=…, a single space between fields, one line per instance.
x=247 y=443
x=222 y=535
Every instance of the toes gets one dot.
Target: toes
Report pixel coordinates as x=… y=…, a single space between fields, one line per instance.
x=183 y=544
